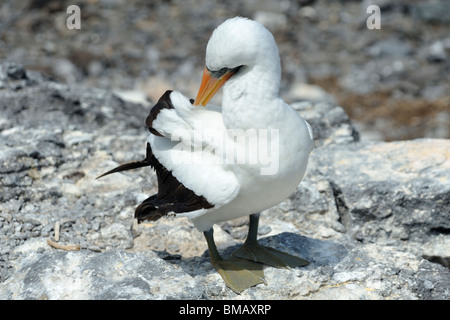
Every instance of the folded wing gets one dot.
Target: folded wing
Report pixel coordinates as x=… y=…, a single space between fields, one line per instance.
x=184 y=148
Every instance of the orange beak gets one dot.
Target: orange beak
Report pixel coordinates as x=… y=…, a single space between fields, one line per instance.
x=209 y=86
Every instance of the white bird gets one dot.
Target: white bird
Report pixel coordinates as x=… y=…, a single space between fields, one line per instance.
x=216 y=164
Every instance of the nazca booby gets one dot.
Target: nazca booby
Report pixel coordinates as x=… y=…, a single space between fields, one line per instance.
x=241 y=56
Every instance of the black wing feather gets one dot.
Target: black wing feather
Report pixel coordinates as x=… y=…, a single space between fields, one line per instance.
x=172 y=196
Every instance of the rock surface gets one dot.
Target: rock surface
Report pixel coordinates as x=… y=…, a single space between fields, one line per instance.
x=337 y=271
x=395 y=193
x=371 y=217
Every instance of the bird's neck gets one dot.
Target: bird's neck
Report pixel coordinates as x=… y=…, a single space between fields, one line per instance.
x=251 y=96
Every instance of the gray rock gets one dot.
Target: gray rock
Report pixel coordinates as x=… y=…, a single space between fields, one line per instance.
x=15 y=71
x=312 y=93
x=366 y=215
x=431 y=11
x=337 y=271
x=390 y=47
x=394 y=193
x=272 y=20
x=109 y=275
x=46 y=153
x=436 y=52
x=329 y=122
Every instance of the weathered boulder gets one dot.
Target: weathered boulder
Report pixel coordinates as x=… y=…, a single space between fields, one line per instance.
x=395 y=193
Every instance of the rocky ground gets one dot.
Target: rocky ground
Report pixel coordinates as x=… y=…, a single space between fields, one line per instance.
x=371 y=216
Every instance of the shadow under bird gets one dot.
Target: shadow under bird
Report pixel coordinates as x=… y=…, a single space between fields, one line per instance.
x=241 y=56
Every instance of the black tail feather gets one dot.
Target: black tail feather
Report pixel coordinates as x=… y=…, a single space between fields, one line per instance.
x=126 y=166
x=152 y=209
x=172 y=197
x=133 y=165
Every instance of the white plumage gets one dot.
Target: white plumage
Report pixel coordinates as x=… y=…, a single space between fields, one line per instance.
x=219 y=163
x=250 y=101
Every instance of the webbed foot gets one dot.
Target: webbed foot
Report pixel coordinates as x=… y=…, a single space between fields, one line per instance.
x=252 y=251
x=237 y=274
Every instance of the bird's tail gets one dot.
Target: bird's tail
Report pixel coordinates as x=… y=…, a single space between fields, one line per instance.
x=131 y=165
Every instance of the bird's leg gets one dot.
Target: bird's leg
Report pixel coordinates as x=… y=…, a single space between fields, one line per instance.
x=252 y=251
x=238 y=274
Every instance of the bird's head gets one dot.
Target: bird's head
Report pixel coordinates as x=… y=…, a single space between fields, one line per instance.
x=236 y=46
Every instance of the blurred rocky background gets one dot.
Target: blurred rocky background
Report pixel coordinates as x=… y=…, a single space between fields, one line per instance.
x=393 y=82
x=372 y=214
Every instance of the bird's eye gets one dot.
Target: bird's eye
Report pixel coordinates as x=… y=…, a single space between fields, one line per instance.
x=219 y=73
